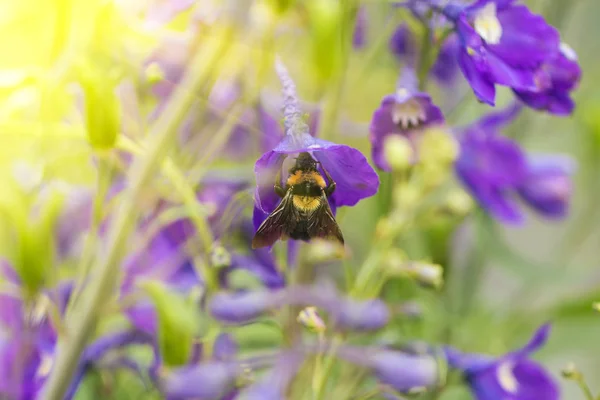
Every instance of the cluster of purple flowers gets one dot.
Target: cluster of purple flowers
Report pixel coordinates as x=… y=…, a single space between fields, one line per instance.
x=170 y=281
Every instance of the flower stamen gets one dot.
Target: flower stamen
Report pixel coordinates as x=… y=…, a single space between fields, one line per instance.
x=407 y=112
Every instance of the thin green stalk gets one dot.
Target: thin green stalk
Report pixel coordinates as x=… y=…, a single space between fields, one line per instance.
x=425 y=57
x=82 y=319
x=103 y=185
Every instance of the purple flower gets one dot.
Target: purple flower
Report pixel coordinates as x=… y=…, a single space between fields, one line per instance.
x=400 y=370
x=495 y=170
x=345 y=313
x=275 y=383
x=547 y=187
x=355 y=179
x=561 y=75
x=513 y=376
x=501 y=43
x=207 y=381
x=406 y=113
x=403 y=45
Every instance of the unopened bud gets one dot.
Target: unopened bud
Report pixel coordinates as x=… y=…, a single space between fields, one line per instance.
x=220 y=257
x=102 y=109
x=571 y=372
x=426 y=274
x=311 y=320
x=459 y=202
x=154 y=73
x=406 y=197
x=398 y=152
x=438 y=146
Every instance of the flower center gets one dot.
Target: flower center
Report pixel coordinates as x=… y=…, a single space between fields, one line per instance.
x=506 y=377
x=408 y=112
x=487 y=25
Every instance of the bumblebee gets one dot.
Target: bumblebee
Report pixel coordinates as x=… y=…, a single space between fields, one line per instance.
x=304 y=211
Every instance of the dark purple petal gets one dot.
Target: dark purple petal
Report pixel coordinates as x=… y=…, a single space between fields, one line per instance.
x=524 y=380
x=472 y=70
x=402 y=44
x=266 y=272
x=527 y=40
x=537 y=341
x=493 y=121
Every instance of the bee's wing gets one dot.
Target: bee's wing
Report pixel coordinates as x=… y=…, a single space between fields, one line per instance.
x=322 y=223
x=275 y=225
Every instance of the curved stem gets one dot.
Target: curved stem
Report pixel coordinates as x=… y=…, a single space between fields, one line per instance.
x=84 y=315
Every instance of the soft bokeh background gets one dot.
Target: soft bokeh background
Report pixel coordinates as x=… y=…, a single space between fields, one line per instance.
x=542 y=270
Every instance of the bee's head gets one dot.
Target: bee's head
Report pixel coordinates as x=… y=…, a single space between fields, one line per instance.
x=305 y=162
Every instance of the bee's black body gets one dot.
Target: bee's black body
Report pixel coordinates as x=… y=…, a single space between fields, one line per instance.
x=304 y=211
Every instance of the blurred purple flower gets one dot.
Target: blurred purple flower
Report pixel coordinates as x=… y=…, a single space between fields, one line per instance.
x=512 y=376
x=274 y=385
x=501 y=43
x=345 y=313
x=359 y=36
x=402 y=371
x=495 y=169
x=208 y=381
x=561 y=75
x=403 y=46
x=355 y=178
x=406 y=113
x=548 y=186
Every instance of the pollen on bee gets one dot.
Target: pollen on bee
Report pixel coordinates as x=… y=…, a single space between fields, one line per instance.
x=487 y=25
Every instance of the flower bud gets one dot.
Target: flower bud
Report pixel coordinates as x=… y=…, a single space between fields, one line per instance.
x=362 y=315
x=311 y=320
x=459 y=202
x=438 y=146
x=154 y=73
x=240 y=307
x=208 y=381
x=426 y=274
x=220 y=257
x=596 y=306
x=571 y=372
x=101 y=107
x=398 y=152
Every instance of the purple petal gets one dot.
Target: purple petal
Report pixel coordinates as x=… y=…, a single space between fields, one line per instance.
x=11 y=312
x=225 y=348
x=481 y=85
x=527 y=40
x=207 y=381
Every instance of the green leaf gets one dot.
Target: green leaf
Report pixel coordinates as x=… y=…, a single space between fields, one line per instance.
x=178 y=323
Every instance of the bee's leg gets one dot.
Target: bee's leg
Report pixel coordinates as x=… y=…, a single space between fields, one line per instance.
x=278 y=188
x=330 y=188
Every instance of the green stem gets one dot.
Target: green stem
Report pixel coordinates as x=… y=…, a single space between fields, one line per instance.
x=103 y=185
x=425 y=57
x=84 y=315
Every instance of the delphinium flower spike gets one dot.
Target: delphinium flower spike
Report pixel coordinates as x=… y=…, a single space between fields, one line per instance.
x=339 y=167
